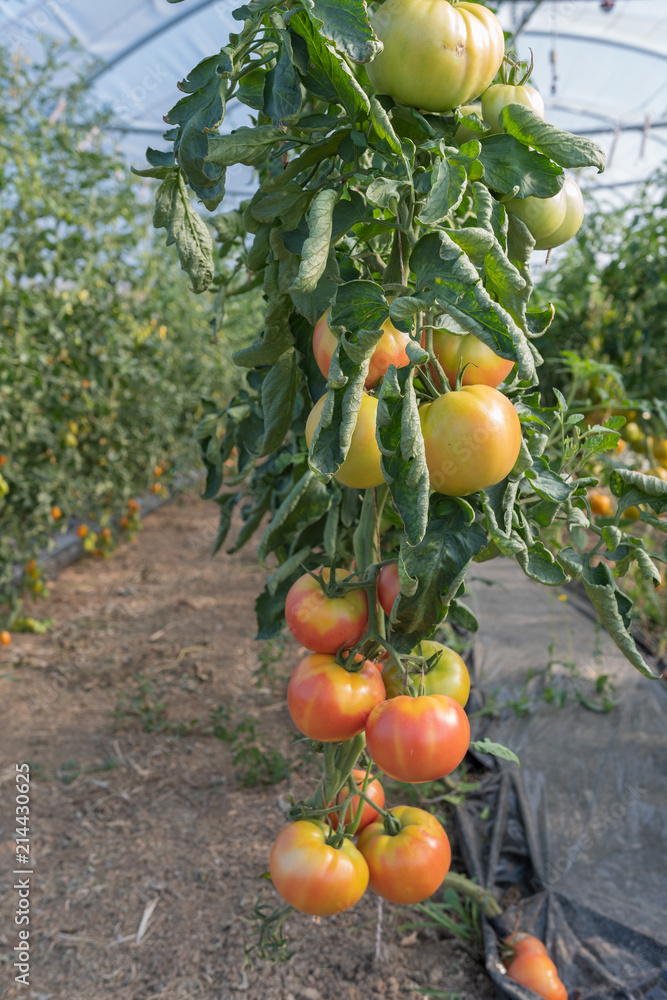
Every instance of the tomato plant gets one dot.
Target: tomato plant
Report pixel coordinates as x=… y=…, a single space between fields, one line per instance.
x=418 y=739
x=324 y=623
x=369 y=211
x=437 y=55
x=313 y=876
x=472 y=439
x=329 y=703
x=408 y=864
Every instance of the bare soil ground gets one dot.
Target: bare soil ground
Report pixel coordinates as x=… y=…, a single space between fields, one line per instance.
x=146 y=845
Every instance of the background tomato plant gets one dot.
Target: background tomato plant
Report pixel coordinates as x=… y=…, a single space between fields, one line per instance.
x=102 y=356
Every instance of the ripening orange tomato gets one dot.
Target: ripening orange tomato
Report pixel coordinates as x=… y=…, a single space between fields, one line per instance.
x=389 y=350
x=56 y=513
x=374 y=791
x=313 y=876
x=482 y=365
x=600 y=504
x=330 y=704
x=5 y=638
x=418 y=739
x=325 y=624
x=361 y=469
x=389 y=587
x=408 y=866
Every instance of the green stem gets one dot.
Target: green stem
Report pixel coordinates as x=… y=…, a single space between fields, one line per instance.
x=483 y=897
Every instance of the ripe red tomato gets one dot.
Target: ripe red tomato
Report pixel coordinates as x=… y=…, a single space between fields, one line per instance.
x=538 y=973
x=325 y=624
x=472 y=439
x=313 y=876
x=418 y=739
x=389 y=586
x=484 y=366
x=409 y=866
x=390 y=350
x=374 y=791
x=436 y=55
x=329 y=703
x=361 y=469
x=499 y=95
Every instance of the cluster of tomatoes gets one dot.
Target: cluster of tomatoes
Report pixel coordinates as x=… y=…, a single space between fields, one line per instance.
x=403 y=854
x=440 y=56
x=472 y=436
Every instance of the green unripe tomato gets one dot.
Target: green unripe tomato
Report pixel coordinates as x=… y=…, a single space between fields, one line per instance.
x=463 y=133
x=574 y=216
x=499 y=95
x=543 y=216
x=449 y=675
x=438 y=54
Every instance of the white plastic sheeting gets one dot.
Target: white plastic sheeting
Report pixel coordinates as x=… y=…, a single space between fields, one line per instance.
x=611 y=66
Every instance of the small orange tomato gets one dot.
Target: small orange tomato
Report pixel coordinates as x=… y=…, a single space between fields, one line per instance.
x=524 y=944
x=538 y=973
x=106 y=533
x=389 y=586
x=5 y=638
x=374 y=791
x=82 y=531
x=631 y=513
x=31 y=567
x=600 y=504
x=133 y=506
x=124 y=522
x=157 y=471
x=56 y=513
x=3 y=459
x=408 y=866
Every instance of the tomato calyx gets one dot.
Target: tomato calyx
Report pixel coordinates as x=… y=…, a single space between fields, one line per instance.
x=392 y=826
x=512 y=67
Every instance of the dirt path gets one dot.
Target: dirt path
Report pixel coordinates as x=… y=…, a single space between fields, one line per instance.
x=137 y=813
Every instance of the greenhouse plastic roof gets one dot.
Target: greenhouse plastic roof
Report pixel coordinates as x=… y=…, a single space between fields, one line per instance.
x=601 y=66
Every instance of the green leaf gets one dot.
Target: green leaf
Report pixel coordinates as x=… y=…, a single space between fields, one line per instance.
x=306 y=503
x=253 y=519
x=548 y=484
x=633 y=487
x=446 y=277
x=511 y=169
x=251 y=89
x=495 y=750
x=461 y=616
x=446 y=193
x=345 y=22
x=432 y=571
x=383 y=128
x=647 y=567
x=539 y=564
x=507 y=544
x=359 y=311
x=333 y=434
x=283 y=93
x=275 y=338
x=401 y=444
x=315 y=252
x=198 y=114
x=562 y=147
x=327 y=76
x=614 y=611
x=186 y=228
x=278 y=398
x=250 y=146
